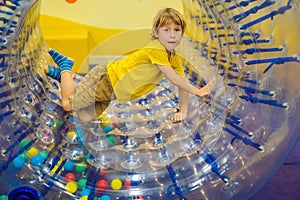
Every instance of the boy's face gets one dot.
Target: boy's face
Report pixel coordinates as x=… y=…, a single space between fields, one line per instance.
x=169 y=35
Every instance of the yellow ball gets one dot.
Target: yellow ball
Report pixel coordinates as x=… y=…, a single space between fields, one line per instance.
x=116 y=184
x=84 y=198
x=32 y=152
x=71 y=187
x=71 y=134
x=104 y=119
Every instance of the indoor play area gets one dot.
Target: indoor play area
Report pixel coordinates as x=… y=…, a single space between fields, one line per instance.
x=229 y=146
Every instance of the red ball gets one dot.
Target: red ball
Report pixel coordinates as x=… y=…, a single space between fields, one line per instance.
x=139 y=198
x=127 y=184
x=102 y=184
x=103 y=172
x=70 y=177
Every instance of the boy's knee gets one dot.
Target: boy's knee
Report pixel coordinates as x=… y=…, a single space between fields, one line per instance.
x=66 y=105
x=83 y=116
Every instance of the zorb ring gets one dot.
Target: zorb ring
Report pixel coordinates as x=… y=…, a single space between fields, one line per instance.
x=229 y=145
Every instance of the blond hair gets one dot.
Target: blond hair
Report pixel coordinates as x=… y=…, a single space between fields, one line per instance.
x=166 y=16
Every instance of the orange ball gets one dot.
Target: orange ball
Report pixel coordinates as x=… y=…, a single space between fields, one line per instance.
x=71 y=1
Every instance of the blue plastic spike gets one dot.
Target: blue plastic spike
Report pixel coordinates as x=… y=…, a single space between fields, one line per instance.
x=211 y=160
x=3 y=115
x=178 y=189
x=263 y=101
x=243 y=139
x=257 y=50
x=52 y=179
x=253 y=10
x=268 y=16
x=280 y=60
x=92 y=192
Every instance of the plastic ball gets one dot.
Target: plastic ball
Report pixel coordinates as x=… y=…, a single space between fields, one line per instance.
x=103 y=172
x=107 y=128
x=70 y=176
x=105 y=197
x=3 y=197
x=19 y=162
x=24 y=143
x=71 y=187
x=127 y=184
x=102 y=184
x=139 y=198
x=57 y=123
x=110 y=139
x=85 y=192
x=32 y=152
x=36 y=160
x=81 y=183
x=43 y=155
x=80 y=167
x=69 y=166
x=71 y=134
x=84 y=198
x=71 y=1
x=104 y=119
x=116 y=184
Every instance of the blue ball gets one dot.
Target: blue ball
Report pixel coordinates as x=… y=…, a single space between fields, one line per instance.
x=107 y=129
x=85 y=192
x=36 y=160
x=69 y=166
x=19 y=162
x=105 y=197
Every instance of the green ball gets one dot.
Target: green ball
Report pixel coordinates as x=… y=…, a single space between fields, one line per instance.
x=80 y=167
x=110 y=139
x=57 y=123
x=24 y=142
x=3 y=197
x=81 y=183
x=43 y=154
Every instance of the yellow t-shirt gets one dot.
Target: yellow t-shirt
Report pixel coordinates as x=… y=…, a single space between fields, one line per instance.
x=137 y=74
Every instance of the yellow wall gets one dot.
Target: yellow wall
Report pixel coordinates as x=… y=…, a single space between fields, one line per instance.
x=120 y=14
x=76 y=29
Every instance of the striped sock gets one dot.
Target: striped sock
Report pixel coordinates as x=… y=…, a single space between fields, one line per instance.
x=54 y=72
x=66 y=65
x=57 y=57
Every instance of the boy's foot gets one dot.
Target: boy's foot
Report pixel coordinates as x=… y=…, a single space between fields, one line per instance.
x=57 y=57
x=64 y=63
x=53 y=72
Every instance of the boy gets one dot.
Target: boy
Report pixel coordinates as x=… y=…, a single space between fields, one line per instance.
x=131 y=77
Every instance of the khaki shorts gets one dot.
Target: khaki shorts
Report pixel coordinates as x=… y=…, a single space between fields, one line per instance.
x=94 y=93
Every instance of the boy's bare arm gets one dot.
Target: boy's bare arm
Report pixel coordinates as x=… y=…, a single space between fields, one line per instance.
x=183 y=83
x=183 y=106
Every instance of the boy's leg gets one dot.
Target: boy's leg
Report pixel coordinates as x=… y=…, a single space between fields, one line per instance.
x=64 y=63
x=64 y=75
x=67 y=89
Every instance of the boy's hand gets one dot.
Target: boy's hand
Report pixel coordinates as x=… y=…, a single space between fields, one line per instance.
x=178 y=117
x=207 y=88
